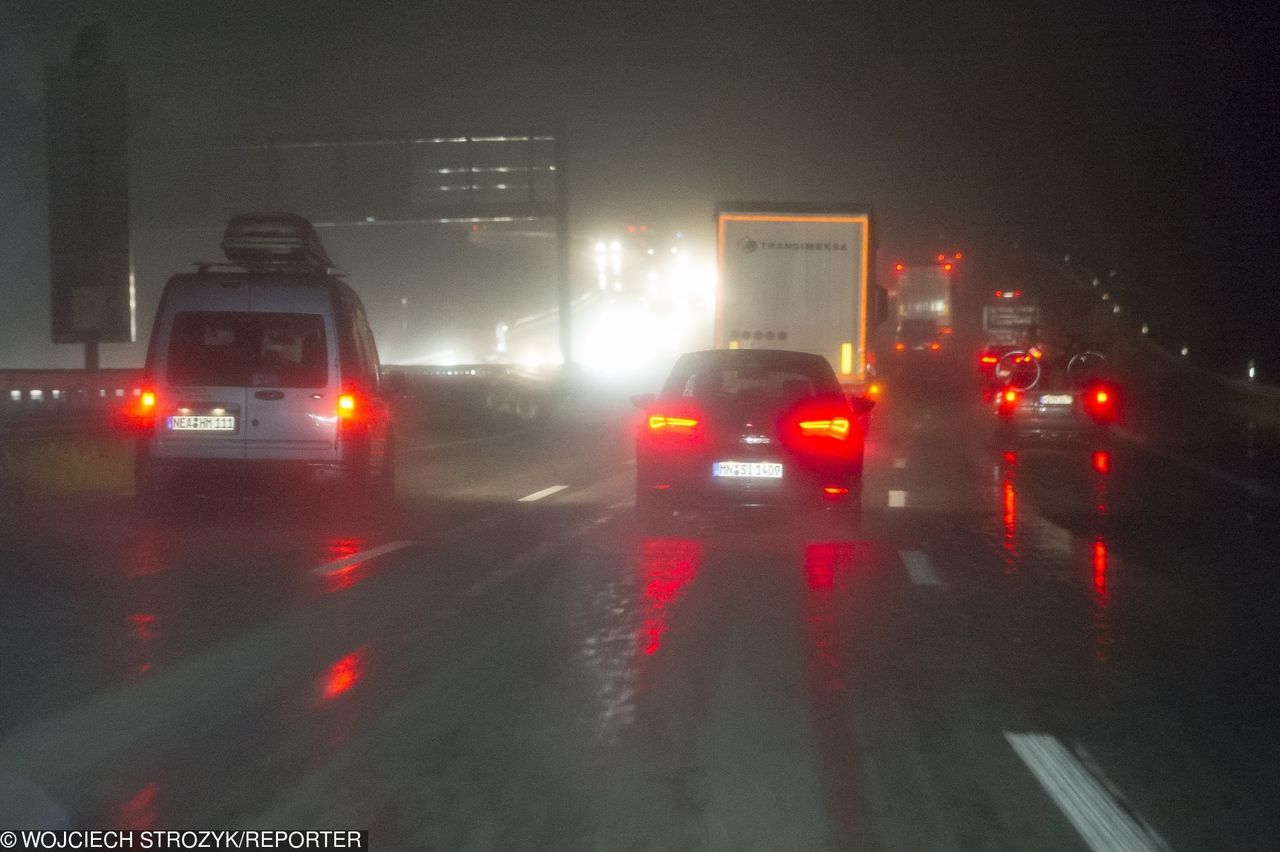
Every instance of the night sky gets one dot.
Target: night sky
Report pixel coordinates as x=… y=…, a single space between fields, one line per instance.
x=1138 y=136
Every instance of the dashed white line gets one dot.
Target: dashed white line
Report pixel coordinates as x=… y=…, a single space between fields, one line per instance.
x=1104 y=825
x=921 y=569
x=363 y=556
x=538 y=495
x=899 y=464
x=897 y=499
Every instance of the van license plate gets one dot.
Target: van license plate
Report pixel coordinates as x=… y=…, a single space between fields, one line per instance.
x=198 y=423
x=747 y=470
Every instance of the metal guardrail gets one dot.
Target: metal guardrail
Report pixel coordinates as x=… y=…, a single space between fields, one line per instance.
x=48 y=402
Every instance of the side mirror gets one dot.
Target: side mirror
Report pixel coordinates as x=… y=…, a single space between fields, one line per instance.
x=644 y=400
x=861 y=405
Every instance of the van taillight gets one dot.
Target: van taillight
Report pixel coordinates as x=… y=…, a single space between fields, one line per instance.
x=140 y=417
x=346 y=406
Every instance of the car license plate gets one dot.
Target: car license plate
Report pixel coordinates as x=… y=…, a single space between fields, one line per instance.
x=1055 y=399
x=747 y=470
x=201 y=423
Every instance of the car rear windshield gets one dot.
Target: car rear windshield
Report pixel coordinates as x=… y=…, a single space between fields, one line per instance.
x=245 y=349
x=762 y=380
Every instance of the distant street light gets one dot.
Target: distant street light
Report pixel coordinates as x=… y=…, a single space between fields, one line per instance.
x=1185 y=350
x=1146 y=329
x=1253 y=371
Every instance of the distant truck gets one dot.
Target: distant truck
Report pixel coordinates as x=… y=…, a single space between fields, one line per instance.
x=799 y=277
x=924 y=293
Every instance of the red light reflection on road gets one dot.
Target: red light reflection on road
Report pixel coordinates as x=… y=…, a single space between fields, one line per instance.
x=139 y=812
x=826 y=564
x=143 y=624
x=1100 y=572
x=1009 y=521
x=342 y=676
x=348 y=576
x=1103 y=637
x=668 y=565
x=1102 y=461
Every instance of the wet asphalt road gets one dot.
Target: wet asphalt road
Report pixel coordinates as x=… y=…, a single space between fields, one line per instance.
x=1040 y=647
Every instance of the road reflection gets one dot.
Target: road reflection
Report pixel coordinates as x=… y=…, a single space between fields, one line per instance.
x=667 y=566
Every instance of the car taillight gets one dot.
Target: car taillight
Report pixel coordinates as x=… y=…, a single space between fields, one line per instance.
x=835 y=427
x=899 y=346
x=1009 y=397
x=1100 y=402
x=988 y=359
x=935 y=346
x=672 y=424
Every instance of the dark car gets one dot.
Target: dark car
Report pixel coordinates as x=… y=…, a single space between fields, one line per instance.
x=747 y=427
x=1055 y=395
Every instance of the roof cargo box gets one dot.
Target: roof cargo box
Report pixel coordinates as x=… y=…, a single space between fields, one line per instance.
x=274 y=241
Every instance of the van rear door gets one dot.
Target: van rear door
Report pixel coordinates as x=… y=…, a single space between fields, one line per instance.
x=199 y=375
x=293 y=381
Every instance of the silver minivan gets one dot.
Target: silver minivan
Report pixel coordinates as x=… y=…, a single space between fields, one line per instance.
x=263 y=371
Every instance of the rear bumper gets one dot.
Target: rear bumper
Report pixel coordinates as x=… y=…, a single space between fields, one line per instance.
x=692 y=482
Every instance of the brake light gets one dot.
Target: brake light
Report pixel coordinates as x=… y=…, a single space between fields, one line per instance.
x=347 y=406
x=836 y=427
x=834 y=490
x=1100 y=401
x=989 y=359
x=675 y=425
x=140 y=417
x=1009 y=397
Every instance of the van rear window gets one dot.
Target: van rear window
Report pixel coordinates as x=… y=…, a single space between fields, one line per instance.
x=246 y=349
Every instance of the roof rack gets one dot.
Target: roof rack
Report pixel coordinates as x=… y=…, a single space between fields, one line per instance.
x=274 y=241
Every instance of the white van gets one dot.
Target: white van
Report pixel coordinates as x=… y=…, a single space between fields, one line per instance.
x=263 y=367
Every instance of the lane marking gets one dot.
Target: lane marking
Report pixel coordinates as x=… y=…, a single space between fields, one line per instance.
x=538 y=495
x=899 y=464
x=363 y=556
x=897 y=499
x=1104 y=824
x=921 y=569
